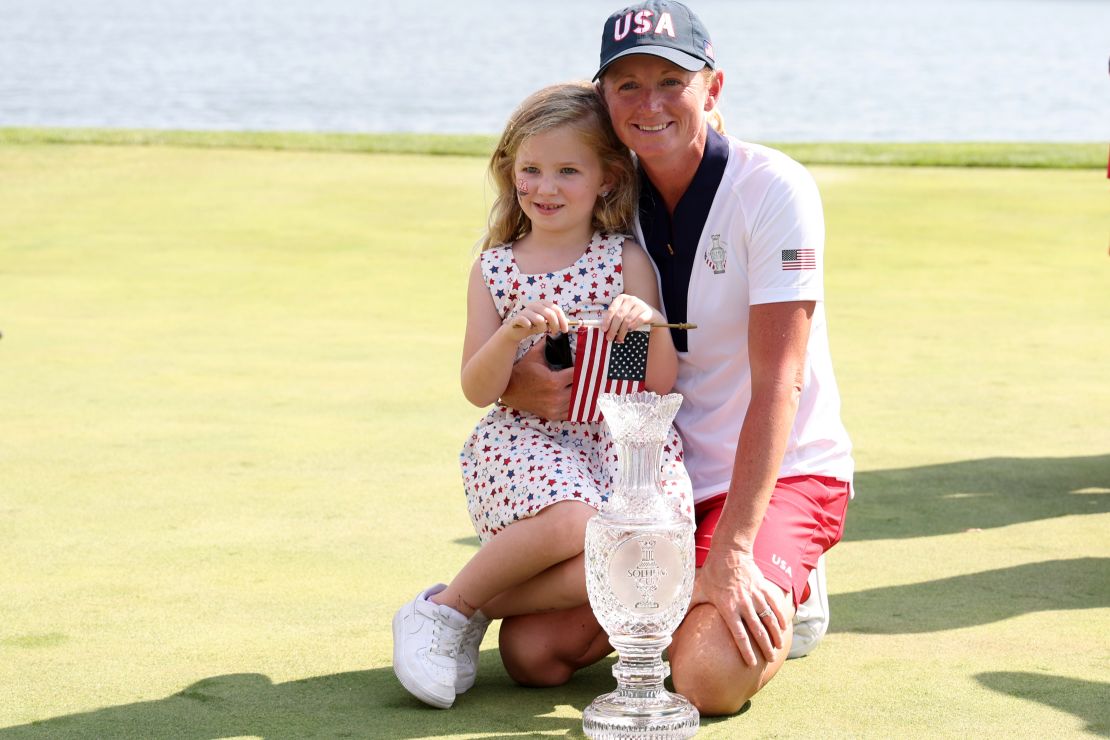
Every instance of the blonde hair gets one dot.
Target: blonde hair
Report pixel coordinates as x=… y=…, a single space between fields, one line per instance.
x=576 y=104
x=715 y=118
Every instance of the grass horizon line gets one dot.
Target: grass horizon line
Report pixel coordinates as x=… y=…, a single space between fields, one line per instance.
x=1014 y=154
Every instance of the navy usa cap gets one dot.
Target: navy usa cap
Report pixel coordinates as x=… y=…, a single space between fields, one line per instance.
x=662 y=28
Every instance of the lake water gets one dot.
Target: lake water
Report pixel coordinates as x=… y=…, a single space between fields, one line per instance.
x=795 y=69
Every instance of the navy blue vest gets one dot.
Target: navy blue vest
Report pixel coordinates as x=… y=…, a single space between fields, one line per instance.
x=673 y=242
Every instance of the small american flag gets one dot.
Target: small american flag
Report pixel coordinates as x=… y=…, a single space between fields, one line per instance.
x=601 y=366
x=799 y=259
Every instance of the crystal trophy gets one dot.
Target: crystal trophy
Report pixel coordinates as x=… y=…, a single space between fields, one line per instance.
x=639 y=576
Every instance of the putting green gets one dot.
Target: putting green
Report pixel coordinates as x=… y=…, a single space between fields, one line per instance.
x=230 y=420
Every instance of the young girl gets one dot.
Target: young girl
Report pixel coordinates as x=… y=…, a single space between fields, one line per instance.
x=554 y=251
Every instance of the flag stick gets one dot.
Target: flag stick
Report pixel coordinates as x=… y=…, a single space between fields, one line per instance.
x=597 y=323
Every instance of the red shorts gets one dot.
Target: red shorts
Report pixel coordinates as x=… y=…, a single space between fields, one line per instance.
x=804 y=518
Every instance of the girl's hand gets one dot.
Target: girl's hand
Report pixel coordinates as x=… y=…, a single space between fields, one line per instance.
x=626 y=314
x=537 y=318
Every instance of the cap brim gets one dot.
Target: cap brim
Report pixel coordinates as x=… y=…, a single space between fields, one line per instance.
x=688 y=62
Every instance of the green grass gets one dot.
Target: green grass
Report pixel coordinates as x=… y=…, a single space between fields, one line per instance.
x=231 y=415
x=1055 y=155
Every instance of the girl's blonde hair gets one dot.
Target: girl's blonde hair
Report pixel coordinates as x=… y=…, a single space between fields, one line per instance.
x=576 y=104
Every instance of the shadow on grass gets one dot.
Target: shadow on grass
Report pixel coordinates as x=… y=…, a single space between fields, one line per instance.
x=359 y=704
x=1084 y=699
x=973 y=494
x=978 y=598
x=994 y=492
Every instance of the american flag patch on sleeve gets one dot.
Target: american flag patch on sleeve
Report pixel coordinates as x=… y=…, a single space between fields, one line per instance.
x=799 y=259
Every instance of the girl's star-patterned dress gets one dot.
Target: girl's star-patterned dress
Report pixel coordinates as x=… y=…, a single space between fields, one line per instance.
x=516 y=463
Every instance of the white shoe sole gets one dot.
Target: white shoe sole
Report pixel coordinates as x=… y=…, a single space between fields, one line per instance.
x=407 y=676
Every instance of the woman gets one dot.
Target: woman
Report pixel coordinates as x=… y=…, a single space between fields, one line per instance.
x=736 y=233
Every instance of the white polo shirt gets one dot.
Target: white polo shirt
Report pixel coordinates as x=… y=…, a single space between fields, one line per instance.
x=761 y=241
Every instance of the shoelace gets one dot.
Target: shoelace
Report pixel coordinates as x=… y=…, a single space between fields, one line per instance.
x=446 y=645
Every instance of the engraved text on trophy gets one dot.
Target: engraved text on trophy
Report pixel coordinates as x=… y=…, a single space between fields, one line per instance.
x=646 y=573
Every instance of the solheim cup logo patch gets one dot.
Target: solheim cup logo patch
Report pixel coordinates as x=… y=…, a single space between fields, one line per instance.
x=715 y=256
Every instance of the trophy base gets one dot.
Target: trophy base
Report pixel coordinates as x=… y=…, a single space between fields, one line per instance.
x=660 y=716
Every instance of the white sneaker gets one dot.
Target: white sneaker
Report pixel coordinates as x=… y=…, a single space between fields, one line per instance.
x=811 y=621
x=426 y=639
x=467 y=661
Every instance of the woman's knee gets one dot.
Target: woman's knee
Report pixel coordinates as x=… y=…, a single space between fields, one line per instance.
x=707 y=668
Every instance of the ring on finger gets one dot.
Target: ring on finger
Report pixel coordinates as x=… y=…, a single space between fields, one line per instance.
x=765 y=613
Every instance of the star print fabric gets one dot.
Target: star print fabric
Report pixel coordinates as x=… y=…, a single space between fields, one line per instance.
x=516 y=463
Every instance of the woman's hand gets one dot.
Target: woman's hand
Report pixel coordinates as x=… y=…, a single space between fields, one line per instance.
x=626 y=313
x=748 y=602
x=535 y=388
x=536 y=318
